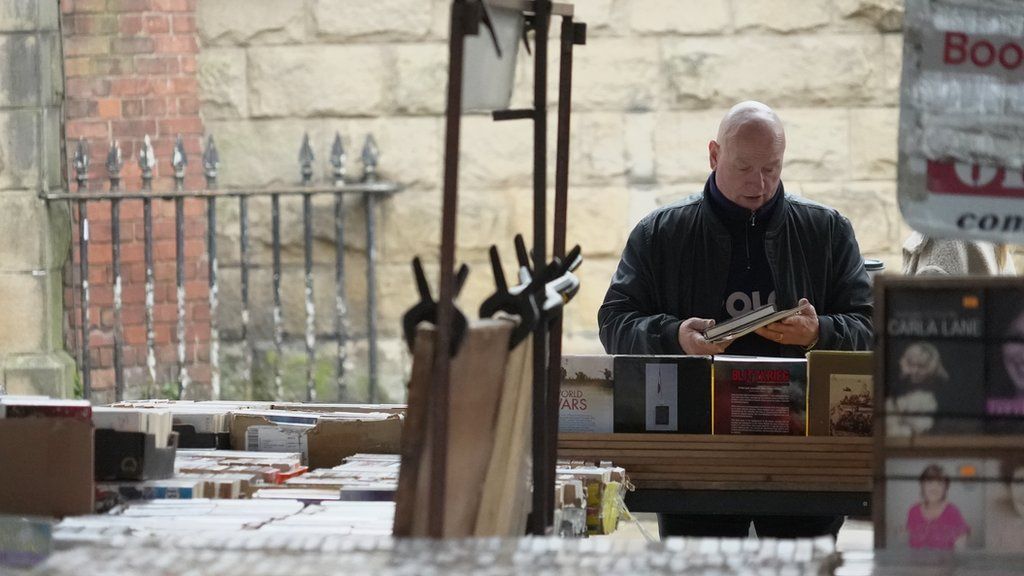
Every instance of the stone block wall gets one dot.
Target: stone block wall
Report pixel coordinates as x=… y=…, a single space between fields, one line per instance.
x=33 y=234
x=650 y=87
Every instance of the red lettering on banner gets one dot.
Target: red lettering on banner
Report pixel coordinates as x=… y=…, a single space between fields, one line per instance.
x=959 y=47
x=955 y=52
x=967 y=180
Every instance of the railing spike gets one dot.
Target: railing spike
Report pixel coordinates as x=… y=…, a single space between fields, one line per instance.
x=338 y=159
x=81 y=163
x=178 y=161
x=370 y=157
x=211 y=161
x=306 y=158
x=114 y=164
x=147 y=161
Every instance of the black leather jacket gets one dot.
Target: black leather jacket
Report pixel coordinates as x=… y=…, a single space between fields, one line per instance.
x=676 y=262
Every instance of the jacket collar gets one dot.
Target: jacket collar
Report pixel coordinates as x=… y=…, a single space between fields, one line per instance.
x=723 y=210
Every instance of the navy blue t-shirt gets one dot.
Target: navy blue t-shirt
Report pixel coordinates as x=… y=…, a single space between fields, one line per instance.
x=750 y=284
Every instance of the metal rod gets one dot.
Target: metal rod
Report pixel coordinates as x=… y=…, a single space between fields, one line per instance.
x=211 y=161
x=247 y=336
x=83 y=263
x=179 y=162
x=211 y=251
x=439 y=398
x=147 y=161
x=307 y=225
x=340 y=305
x=559 y=241
x=275 y=215
x=147 y=225
x=371 y=293
x=179 y=266
x=115 y=247
x=543 y=482
x=383 y=188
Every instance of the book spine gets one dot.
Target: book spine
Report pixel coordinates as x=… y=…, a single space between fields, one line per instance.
x=83 y=413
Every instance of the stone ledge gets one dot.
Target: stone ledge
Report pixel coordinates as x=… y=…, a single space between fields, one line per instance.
x=51 y=374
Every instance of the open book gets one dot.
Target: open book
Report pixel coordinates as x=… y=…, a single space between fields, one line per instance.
x=743 y=325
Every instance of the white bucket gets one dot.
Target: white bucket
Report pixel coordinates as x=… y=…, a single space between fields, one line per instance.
x=487 y=79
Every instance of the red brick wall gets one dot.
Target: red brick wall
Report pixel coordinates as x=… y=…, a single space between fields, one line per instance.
x=130 y=68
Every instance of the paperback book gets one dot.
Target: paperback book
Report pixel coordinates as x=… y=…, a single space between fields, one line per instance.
x=760 y=395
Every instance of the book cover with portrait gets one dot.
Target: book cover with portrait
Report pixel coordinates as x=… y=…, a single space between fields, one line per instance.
x=662 y=394
x=934 y=386
x=760 y=395
x=1005 y=356
x=935 y=503
x=1004 y=506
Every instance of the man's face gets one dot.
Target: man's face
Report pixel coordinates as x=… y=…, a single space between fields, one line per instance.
x=748 y=165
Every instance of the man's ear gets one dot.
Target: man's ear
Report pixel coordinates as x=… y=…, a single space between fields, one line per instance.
x=713 y=149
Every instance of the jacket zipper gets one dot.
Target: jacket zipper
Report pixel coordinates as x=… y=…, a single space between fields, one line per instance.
x=753 y=222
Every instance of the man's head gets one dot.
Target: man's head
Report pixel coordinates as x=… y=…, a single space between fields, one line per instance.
x=747 y=154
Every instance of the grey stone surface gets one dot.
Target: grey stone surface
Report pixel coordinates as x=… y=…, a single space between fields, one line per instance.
x=222 y=83
x=378 y=21
x=243 y=22
x=24 y=222
x=19 y=148
x=39 y=374
x=339 y=81
x=20 y=76
x=20 y=15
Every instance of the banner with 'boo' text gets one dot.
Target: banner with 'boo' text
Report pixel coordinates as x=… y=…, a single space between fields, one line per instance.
x=961 y=157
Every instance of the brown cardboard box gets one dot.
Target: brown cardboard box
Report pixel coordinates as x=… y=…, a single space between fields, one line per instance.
x=330 y=441
x=46 y=466
x=832 y=377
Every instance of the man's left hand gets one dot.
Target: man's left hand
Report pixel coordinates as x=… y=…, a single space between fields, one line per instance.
x=800 y=329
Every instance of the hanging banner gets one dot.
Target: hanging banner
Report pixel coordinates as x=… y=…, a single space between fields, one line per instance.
x=961 y=157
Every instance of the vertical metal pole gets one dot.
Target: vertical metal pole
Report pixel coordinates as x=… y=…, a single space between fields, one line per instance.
x=370 y=158
x=81 y=165
x=211 y=161
x=461 y=23
x=307 y=223
x=542 y=481
x=114 y=165
x=249 y=347
x=147 y=161
x=371 y=291
x=275 y=215
x=179 y=161
x=340 y=306
x=568 y=39
x=306 y=160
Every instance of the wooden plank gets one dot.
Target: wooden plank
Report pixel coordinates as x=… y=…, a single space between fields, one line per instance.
x=659 y=455
x=752 y=486
x=414 y=436
x=717 y=439
x=766 y=479
x=682 y=471
x=505 y=502
x=704 y=446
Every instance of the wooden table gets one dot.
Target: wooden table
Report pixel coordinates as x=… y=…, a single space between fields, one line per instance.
x=703 y=474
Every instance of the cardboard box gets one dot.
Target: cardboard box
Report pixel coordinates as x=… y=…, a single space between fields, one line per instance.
x=133 y=456
x=841 y=395
x=325 y=444
x=586 y=399
x=48 y=467
x=663 y=394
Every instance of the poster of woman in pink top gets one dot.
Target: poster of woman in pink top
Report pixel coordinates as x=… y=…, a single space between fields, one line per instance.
x=934 y=522
x=936 y=503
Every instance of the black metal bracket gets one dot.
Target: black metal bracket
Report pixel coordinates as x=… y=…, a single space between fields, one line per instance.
x=516 y=114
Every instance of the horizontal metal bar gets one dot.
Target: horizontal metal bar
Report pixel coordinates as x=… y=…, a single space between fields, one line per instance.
x=383 y=188
x=557 y=8
x=519 y=114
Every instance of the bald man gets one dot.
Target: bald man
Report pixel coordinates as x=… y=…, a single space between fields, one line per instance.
x=738 y=245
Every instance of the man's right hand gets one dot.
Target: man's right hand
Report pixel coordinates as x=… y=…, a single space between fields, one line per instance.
x=692 y=340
